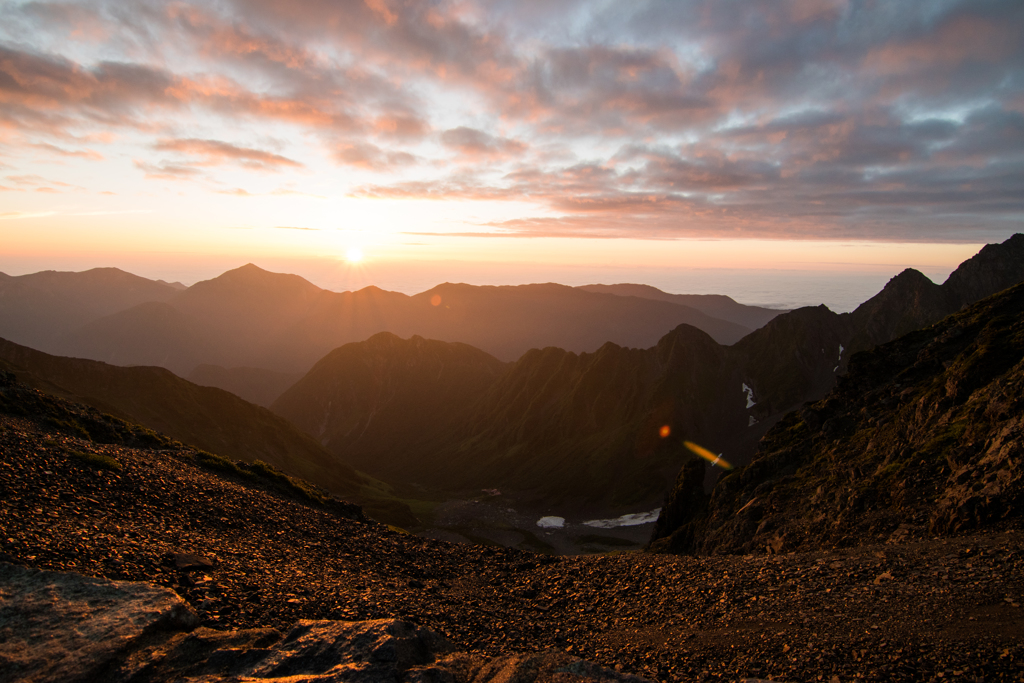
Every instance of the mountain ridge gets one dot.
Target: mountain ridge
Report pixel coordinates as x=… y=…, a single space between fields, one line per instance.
x=578 y=429
x=249 y=317
x=922 y=436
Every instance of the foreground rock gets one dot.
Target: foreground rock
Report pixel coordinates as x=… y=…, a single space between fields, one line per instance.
x=61 y=626
x=57 y=626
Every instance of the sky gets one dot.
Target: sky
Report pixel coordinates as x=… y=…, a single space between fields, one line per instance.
x=407 y=142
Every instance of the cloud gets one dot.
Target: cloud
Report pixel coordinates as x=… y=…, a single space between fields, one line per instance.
x=16 y=215
x=38 y=183
x=216 y=152
x=370 y=157
x=167 y=171
x=645 y=118
x=88 y=154
x=474 y=143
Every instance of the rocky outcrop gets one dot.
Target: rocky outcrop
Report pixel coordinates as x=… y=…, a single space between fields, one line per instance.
x=68 y=627
x=59 y=626
x=923 y=436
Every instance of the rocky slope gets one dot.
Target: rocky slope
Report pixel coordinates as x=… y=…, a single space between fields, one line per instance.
x=922 y=436
x=206 y=418
x=68 y=627
x=246 y=554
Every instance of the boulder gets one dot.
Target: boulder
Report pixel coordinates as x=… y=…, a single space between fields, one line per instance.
x=57 y=626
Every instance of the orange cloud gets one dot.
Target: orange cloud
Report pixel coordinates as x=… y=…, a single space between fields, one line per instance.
x=214 y=152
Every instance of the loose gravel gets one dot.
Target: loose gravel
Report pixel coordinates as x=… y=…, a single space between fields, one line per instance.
x=943 y=609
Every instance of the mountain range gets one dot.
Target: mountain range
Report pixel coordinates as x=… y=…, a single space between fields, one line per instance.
x=593 y=432
x=580 y=430
x=255 y=332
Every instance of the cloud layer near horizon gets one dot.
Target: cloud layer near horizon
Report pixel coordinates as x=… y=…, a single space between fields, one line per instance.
x=797 y=118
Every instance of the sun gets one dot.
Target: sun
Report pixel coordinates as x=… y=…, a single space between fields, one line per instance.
x=354 y=255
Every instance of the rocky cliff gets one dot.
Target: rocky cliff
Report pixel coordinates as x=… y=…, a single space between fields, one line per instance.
x=922 y=436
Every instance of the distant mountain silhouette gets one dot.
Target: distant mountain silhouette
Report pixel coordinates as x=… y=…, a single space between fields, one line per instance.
x=37 y=309
x=249 y=317
x=509 y=321
x=921 y=437
x=255 y=385
x=716 y=305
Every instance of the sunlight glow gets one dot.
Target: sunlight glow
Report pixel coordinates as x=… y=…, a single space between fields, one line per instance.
x=353 y=254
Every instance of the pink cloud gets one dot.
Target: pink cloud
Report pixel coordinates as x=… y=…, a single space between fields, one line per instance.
x=215 y=152
x=371 y=157
x=474 y=143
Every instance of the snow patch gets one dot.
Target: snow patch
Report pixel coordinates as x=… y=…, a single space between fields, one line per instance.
x=551 y=522
x=750 y=395
x=752 y=421
x=635 y=519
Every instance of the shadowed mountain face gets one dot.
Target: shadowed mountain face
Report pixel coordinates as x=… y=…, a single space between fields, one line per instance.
x=251 y=318
x=211 y=419
x=922 y=436
x=37 y=309
x=584 y=430
x=380 y=404
x=556 y=427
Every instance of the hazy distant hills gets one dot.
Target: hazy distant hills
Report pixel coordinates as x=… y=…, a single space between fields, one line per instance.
x=921 y=437
x=251 y=318
x=585 y=427
x=509 y=321
x=714 y=305
x=255 y=385
x=38 y=309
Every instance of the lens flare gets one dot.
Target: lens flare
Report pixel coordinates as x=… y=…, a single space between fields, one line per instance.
x=435 y=300
x=707 y=455
x=664 y=431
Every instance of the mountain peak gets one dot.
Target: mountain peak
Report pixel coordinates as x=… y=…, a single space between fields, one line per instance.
x=993 y=269
x=253 y=279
